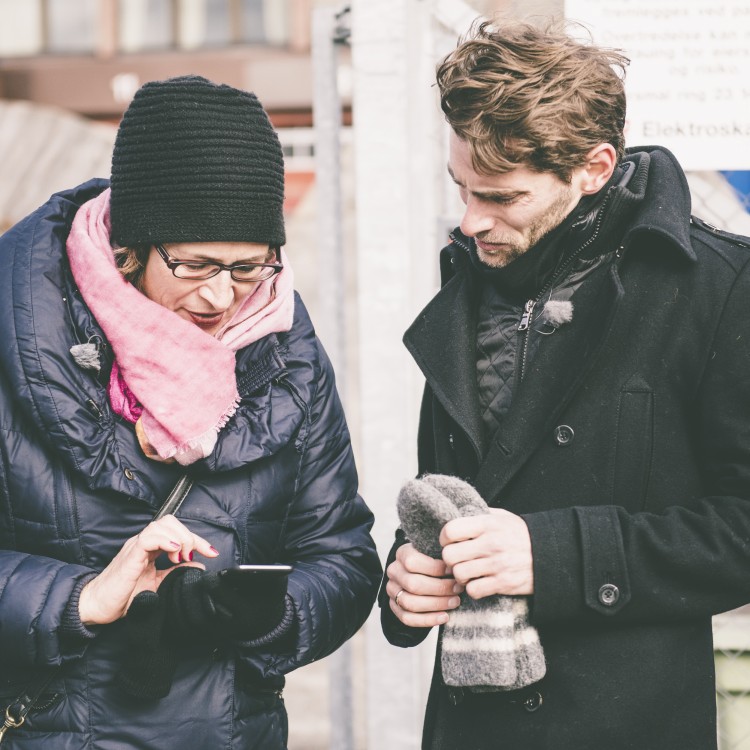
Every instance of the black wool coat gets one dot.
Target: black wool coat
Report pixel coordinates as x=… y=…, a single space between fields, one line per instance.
x=627 y=452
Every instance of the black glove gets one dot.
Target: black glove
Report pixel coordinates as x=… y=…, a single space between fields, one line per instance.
x=204 y=606
x=150 y=658
x=194 y=606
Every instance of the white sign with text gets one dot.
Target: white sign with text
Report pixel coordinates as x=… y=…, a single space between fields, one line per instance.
x=688 y=84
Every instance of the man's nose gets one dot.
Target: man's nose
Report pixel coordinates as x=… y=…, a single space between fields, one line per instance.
x=477 y=218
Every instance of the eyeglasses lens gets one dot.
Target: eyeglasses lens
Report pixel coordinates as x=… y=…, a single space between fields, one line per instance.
x=197 y=271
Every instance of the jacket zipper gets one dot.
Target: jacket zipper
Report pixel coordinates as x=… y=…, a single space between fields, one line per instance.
x=524 y=326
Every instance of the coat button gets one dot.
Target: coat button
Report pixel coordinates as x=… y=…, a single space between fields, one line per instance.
x=129 y=474
x=533 y=702
x=564 y=434
x=609 y=594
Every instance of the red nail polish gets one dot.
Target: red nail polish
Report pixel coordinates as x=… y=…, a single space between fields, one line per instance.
x=214 y=550
x=190 y=557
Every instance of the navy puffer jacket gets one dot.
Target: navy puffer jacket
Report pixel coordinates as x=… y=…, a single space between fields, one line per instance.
x=74 y=485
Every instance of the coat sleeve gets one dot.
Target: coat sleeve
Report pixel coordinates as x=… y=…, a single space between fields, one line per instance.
x=394 y=630
x=36 y=625
x=327 y=539
x=693 y=559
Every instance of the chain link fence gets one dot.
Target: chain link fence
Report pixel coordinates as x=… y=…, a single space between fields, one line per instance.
x=723 y=200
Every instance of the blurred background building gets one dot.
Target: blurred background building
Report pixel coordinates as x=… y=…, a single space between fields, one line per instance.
x=349 y=87
x=88 y=57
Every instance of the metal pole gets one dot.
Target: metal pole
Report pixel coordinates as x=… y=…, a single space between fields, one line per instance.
x=328 y=33
x=329 y=29
x=397 y=178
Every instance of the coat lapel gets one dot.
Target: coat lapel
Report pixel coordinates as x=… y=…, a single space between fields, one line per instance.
x=442 y=341
x=552 y=378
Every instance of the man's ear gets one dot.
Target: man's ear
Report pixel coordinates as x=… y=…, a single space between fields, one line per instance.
x=598 y=168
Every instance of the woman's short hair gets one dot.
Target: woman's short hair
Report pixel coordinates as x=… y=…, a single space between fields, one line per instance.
x=131 y=263
x=523 y=96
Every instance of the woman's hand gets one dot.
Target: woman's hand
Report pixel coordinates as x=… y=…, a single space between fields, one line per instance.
x=421 y=589
x=107 y=597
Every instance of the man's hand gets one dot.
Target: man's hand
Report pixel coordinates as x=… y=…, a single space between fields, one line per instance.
x=489 y=554
x=423 y=587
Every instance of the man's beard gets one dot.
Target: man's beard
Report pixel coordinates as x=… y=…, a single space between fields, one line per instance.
x=549 y=219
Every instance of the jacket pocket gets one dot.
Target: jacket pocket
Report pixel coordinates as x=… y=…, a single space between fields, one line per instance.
x=634 y=444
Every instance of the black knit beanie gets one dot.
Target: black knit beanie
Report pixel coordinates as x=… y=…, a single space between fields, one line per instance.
x=195 y=161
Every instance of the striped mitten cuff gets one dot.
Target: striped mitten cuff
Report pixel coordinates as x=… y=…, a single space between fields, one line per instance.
x=487 y=644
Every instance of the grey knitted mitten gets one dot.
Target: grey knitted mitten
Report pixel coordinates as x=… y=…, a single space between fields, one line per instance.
x=488 y=644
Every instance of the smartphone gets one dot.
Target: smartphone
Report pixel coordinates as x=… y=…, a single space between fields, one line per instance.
x=257 y=578
x=239 y=572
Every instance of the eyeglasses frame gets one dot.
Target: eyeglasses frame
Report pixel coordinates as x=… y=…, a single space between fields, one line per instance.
x=173 y=263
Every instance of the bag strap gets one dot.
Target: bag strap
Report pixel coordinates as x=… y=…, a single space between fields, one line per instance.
x=175 y=498
x=16 y=712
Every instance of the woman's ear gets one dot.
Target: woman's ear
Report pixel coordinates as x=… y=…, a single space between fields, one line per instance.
x=598 y=168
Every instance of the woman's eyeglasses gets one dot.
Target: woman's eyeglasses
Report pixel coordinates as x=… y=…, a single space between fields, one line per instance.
x=192 y=270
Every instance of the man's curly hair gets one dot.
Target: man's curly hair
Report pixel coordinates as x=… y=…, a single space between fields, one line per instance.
x=522 y=96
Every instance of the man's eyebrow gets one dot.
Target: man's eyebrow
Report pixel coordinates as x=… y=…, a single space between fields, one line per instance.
x=499 y=193
x=453 y=176
x=503 y=193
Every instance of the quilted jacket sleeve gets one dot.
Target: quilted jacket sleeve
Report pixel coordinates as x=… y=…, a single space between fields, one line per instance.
x=35 y=593
x=336 y=566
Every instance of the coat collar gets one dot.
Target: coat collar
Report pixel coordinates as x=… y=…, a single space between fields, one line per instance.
x=442 y=341
x=665 y=210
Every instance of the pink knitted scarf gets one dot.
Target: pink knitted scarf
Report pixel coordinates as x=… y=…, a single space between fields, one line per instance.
x=177 y=379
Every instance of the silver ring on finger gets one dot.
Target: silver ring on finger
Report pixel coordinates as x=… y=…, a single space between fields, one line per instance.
x=395 y=598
